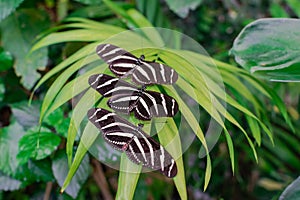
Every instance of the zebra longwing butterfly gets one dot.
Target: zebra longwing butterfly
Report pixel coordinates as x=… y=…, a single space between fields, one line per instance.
x=127 y=98
x=139 y=147
x=122 y=64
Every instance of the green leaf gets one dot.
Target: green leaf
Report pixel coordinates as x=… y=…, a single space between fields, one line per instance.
x=60 y=168
x=128 y=178
x=34 y=171
x=89 y=2
x=57 y=119
x=294 y=5
x=292 y=192
x=182 y=8
x=37 y=145
x=7 y=7
x=18 y=33
x=9 y=184
x=88 y=137
x=277 y=10
x=270 y=48
x=6 y=60
x=92 y=12
x=9 y=138
x=27 y=116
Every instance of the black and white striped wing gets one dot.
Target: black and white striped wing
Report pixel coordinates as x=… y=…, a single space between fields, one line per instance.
x=120 y=61
x=109 y=86
x=138 y=146
x=148 y=152
x=154 y=104
x=126 y=98
x=145 y=105
x=148 y=73
x=116 y=131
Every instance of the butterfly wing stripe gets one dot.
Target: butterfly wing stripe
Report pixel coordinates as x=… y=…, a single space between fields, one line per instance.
x=120 y=88
x=171 y=167
x=152 y=99
x=125 y=62
x=172 y=74
x=142 y=72
x=138 y=161
x=145 y=106
x=105 y=117
x=93 y=112
x=173 y=107
x=164 y=104
x=149 y=66
x=107 y=83
x=96 y=79
x=146 y=139
x=102 y=49
x=137 y=142
x=162 y=158
x=118 y=124
x=113 y=51
x=162 y=72
x=137 y=80
x=139 y=115
x=121 y=134
x=124 y=99
x=116 y=58
x=124 y=65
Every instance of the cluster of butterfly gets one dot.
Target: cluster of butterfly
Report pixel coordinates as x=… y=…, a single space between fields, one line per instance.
x=126 y=98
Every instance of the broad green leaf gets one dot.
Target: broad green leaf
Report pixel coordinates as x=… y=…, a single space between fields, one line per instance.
x=7 y=7
x=9 y=138
x=60 y=169
x=9 y=184
x=182 y=8
x=57 y=119
x=37 y=145
x=18 y=33
x=292 y=191
x=27 y=116
x=34 y=171
x=6 y=60
x=266 y=48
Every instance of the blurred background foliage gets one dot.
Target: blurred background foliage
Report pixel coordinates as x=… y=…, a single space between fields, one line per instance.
x=214 y=24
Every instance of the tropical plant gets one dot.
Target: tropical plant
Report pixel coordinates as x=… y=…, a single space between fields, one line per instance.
x=202 y=86
x=38 y=148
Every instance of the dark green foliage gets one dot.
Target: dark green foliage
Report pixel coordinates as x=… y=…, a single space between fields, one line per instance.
x=44 y=145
